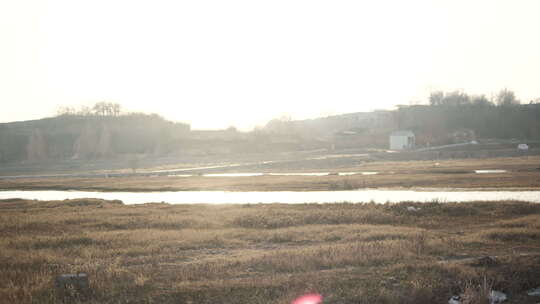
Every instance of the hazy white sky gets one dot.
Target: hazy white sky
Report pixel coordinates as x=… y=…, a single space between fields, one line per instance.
x=220 y=63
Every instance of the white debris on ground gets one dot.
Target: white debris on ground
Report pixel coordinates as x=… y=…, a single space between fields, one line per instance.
x=535 y=292
x=413 y=209
x=494 y=298
x=455 y=300
x=497 y=297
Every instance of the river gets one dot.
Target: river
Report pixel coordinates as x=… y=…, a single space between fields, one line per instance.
x=289 y=197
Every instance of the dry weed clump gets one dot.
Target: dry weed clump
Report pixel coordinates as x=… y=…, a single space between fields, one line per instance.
x=350 y=253
x=513 y=234
x=314 y=214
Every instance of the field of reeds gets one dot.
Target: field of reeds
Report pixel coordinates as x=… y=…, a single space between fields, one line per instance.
x=349 y=253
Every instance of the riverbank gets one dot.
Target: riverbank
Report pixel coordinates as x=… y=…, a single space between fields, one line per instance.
x=350 y=253
x=517 y=173
x=512 y=181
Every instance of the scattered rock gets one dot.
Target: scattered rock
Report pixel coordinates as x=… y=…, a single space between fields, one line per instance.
x=494 y=298
x=497 y=297
x=534 y=292
x=455 y=300
x=79 y=280
x=72 y=285
x=390 y=281
x=486 y=261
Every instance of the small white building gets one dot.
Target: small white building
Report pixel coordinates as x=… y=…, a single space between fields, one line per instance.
x=401 y=140
x=523 y=147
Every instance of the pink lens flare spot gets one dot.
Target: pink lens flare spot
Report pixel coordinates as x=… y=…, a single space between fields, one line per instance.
x=312 y=298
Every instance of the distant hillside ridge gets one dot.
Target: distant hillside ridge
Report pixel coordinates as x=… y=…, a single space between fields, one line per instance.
x=105 y=133
x=88 y=137
x=437 y=124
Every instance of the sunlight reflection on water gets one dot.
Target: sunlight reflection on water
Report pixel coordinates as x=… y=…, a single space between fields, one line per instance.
x=289 y=197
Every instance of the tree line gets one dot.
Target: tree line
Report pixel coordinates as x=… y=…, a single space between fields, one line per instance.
x=504 y=97
x=101 y=108
x=502 y=116
x=90 y=133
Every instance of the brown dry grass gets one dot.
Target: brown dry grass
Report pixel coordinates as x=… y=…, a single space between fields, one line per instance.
x=351 y=253
x=522 y=174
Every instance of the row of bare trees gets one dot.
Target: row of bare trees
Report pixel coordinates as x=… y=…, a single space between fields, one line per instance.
x=102 y=108
x=504 y=97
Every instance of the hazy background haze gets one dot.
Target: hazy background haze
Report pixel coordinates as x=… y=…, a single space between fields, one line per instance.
x=214 y=64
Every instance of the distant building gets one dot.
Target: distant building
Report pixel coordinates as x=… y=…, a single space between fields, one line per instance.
x=462 y=136
x=402 y=140
x=523 y=147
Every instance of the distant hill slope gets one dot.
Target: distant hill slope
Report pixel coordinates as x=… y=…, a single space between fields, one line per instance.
x=87 y=137
x=431 y=124
x=111 y=135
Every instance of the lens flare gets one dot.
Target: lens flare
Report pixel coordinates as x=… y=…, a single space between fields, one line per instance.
x=312 y=298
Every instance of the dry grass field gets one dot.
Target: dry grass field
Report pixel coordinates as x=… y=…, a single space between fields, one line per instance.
x=523 y=173
x=350 y=253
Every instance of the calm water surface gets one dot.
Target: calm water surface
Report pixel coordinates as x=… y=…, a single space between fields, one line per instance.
x=289 y=197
